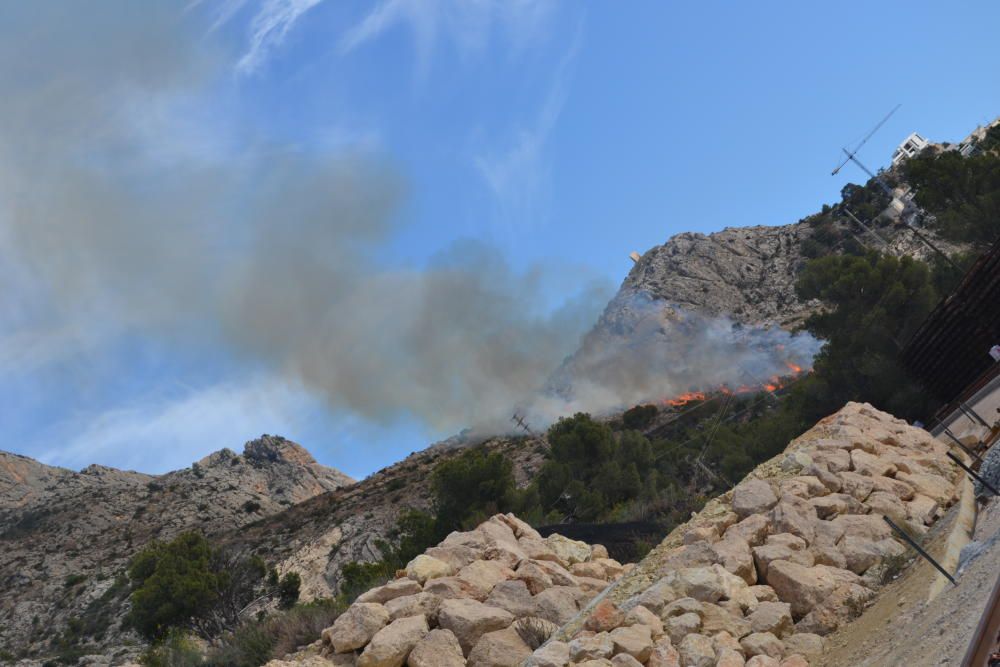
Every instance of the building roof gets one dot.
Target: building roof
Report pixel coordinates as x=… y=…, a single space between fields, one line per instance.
x=950 y=350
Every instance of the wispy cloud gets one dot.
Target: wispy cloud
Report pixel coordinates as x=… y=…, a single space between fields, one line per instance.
x=268 y=28
x=468 y=25
x=166 y=433
x=518 y=175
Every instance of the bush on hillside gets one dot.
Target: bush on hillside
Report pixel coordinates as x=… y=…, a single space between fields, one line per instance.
x=963 y=194
x=186 y=583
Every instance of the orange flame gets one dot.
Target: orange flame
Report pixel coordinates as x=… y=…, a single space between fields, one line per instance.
x=685 y=398
x=774 y=383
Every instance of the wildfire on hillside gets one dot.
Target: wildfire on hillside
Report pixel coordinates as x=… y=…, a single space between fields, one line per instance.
x=772 y=384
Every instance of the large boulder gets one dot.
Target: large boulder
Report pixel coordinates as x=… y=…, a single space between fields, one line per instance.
x=697 y=651
x=356 y=626
x=796 y=516
x=591 y=646
x=930 y=485
x=483 y=575
x=804 y=486
x=535 y=577
x=558 y=604
x=664 y=654
x=715 y=619
x=887 y=504
x=773 y=617
x=604 y=617
x=552 y=654
x=635 y=640
x=835 y=503
x=450 y=588
x=763 y=643
x=870 y=527
x=425 y=567
x=639 y=615
x=861 y=554
x=394 y=589
x=763 y=555
x=569 y=551
x=866 y=464
x=422 y=604
x=513 y=596
x=754 y=496
x=898 y=488
x=678 y=627
x=734 y=555
x=802 y=587
x=469 y=620
x=458 y=556
x=856 y=485
x=500 y=648
x=922 y=509
x=835 y=610
x=391 y=646
x=439 y=648
x=752 y=530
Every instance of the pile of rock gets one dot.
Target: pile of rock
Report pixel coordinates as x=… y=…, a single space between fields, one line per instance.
x=796 y=549
x=485 y=597
x=756 y=579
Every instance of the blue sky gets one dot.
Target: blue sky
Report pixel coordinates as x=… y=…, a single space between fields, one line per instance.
x=533 y=143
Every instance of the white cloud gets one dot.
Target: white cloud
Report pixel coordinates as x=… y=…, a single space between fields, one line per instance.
x=468 y=24
x=518 y=175
x=268 y=28
x=160 y=434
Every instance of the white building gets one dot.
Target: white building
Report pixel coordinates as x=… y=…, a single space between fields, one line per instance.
x=912 y=145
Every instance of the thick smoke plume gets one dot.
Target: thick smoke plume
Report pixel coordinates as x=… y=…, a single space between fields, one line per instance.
x=644 y=350
x=128 y=208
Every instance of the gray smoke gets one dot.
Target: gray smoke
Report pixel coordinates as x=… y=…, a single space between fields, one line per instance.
x=125 y=208
x=644 y=349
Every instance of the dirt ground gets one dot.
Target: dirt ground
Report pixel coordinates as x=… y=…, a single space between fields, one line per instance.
x=901 y=628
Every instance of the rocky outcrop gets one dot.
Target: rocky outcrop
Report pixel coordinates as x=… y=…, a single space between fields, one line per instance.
x=65 y=536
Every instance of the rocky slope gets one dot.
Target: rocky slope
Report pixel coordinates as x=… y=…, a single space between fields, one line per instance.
x=756 y=579
x=747 y=273
x=65 y=536
x=317 y=537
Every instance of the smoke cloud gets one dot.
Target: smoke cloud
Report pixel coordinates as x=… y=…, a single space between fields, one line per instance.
x=125 y=208
x=644 y=349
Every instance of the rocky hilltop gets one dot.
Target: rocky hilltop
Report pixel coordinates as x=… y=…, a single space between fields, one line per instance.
x=66 y=536
x=749 y=273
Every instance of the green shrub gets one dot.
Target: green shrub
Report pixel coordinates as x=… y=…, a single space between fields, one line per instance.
x=74 y=579
x=185 y=583
x=288 y=589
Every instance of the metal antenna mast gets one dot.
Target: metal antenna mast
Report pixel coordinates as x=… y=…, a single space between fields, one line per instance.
x=852 y=154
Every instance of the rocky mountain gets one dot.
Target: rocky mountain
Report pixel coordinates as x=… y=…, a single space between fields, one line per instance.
x=748 y=273
x=65 y=536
